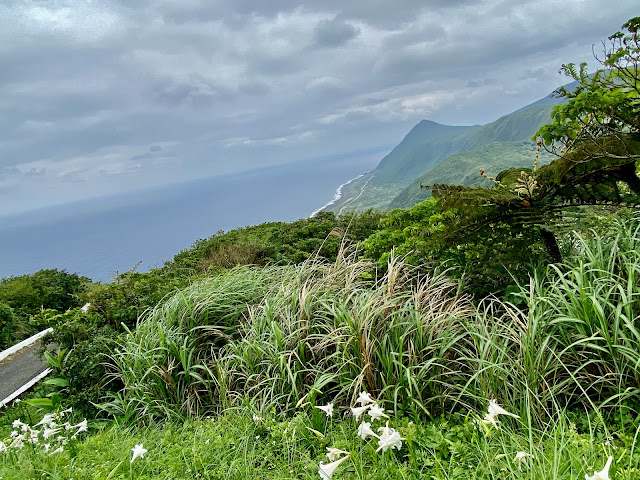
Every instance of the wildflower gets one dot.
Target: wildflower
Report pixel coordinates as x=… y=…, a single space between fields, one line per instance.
x=57 y=450
x=364 y=399
x=257 y=418
x=46 y=446
x=358 y=411
x=17 y=424
x=488 y=420
x=327 y=471
x=82 y=427
x=138 y=451
x=328 y=409
x=3 y=447
x=48 y=419
x=495 y=410
x=334 y=453
x=604 y=474
x=17 y=442
x=364 y=431
x=520 y=458
x=48 y=432
x=389 y=438
x=375 y=412
x=14 y=433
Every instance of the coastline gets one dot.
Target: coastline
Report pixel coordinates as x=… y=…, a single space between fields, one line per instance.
x=341 y=196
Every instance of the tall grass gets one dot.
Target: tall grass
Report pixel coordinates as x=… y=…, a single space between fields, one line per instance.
x=572 y=340
x=298 y=336
x=286 y=336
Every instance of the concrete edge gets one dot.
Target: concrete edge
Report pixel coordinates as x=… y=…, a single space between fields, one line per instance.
x=25 y=343
x=25 y=387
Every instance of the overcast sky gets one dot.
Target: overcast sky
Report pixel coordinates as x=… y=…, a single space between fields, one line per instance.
x=106 y=96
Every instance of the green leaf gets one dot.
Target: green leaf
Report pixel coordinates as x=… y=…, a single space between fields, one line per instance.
x=59 y=382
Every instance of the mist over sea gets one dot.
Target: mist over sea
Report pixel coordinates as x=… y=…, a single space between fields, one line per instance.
x=100 y=237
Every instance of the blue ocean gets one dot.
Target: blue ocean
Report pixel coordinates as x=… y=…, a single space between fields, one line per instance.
x=102 y=237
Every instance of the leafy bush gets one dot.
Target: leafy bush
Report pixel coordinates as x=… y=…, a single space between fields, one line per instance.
x=54 y=289
x=7 y=326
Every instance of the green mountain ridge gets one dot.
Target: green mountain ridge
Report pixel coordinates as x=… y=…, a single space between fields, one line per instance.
x=395 y=182
x=463 y=169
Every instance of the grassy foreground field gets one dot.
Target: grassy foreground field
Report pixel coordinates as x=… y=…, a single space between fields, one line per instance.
x=240 y=445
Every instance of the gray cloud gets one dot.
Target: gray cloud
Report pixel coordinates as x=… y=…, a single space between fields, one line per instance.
x=334 y=33
x=90 y=89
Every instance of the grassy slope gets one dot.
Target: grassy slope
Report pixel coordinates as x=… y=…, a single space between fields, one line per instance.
x=462 y=169
x=397 y=172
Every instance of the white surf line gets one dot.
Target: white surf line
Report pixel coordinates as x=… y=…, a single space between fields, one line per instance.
x=24 y=388
x=359 y=195
x=23 y=344
x=338 y=195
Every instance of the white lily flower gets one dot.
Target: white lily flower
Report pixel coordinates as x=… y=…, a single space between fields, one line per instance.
x=85 y=307
x=3 y=447
x=328 y=409
x=604 y=474
x=364 y=398
x=46 y=446
x=138 y=451
x=358 y=411
x=364 y=431
x=48 y=419
x=488 y=420
x=17 y=442
x=520 y=458
x=389 y=438
x=495 y=410
x=14 y=433
x=48 y=432
x=82 y=426
x=375 y=412
x=17 y=424
x=327 y=471
x=57 y=450
x=334 y=453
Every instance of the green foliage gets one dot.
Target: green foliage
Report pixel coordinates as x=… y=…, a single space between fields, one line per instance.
x=277 y=242
x=130 y=294
x=489 y=261
x=7 y=326
x=27 y=295
x=602 y=112
x=462 y=169
x=237 y=446
x=54 y=289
